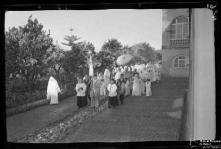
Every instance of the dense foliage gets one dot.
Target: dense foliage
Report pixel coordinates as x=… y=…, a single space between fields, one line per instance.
x=25 y=51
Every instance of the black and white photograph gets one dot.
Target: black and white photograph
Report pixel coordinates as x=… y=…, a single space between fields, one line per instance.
x=112 y=75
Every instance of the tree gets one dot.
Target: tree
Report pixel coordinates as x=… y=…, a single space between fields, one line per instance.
x=87 y=47
x=75 y=61
x=159 y=56
x=11 y=52
x=112 y=46
x=146 y=52
x=54 y=60
x=106 y=60
x=71 y=40
x=127 y=50
x=28 y=45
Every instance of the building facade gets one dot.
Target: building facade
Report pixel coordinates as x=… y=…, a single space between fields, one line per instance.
x=175 y=42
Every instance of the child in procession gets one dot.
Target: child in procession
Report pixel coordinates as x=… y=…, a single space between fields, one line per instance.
x=121 y=86
x=81 y=95
x=112 y=94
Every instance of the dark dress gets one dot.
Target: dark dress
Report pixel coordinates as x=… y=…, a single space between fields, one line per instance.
x=121 y=90
x=113 y=101
x=81 y=101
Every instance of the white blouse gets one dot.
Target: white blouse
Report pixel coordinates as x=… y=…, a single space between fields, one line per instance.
x=112 y=89
x=81 y=88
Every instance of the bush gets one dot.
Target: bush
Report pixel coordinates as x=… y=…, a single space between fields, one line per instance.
x=22 y=98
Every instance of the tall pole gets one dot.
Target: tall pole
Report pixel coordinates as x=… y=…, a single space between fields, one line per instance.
x=91 y=69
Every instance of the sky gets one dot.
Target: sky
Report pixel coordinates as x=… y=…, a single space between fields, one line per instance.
x=128 y=26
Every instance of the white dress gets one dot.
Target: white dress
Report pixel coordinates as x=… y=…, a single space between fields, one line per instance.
x=103 y=89
x=52 y=91
x=136 y=87
x=148 y=88
x=117 y=76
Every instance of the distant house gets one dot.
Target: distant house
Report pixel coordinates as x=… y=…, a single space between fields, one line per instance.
x=175 y=42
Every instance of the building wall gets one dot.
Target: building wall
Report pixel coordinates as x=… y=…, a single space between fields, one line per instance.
x=168 y=57
x=168 y=16
x=169 y=53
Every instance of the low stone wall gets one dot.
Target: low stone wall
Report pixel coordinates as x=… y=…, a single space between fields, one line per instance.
x=58 y=130
x=26 y=107
x=29 y=106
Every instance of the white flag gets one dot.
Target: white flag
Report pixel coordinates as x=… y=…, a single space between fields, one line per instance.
x=91 y=69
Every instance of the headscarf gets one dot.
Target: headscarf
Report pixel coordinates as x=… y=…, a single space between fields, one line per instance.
x=52 y=86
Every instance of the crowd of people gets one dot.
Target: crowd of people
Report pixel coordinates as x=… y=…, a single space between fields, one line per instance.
x=116 y=84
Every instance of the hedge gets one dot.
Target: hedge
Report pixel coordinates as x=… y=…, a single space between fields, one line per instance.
x=29 y=106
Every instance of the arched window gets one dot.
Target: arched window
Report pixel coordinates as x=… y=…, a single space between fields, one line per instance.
x=180 y=28
x=181 y=61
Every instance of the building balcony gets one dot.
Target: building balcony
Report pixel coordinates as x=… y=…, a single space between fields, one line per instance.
x=184 y=43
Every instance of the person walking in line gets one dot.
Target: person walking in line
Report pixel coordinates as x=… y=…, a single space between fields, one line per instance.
x=117 y=75
x=107 y=75
x=136 y=86
x=97 y=87
x=52 y=90
x=81 y=97
x=92 y=94
x=102 y=89
x=148 y=88
x=112 y=94
x=87 y=81
x=122 y=89
x=95 y=92
x=127 y=87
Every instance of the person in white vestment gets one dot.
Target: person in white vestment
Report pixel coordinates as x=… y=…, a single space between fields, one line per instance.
x=107 y=76
x=112 y=94
x=148 y=88
x=52 y=90
x=117 y=75
x=136 y=86
x=81 y=93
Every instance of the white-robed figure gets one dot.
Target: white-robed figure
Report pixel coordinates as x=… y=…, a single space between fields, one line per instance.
x=52 y=90
x=106 y=78
x=106 y=74
x=136 y=91
x=148 y=88
x=118 y=74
